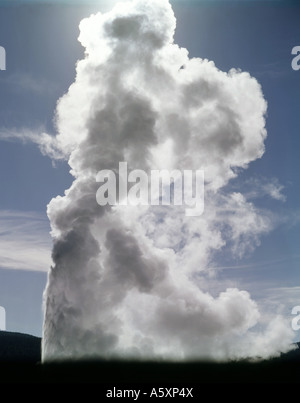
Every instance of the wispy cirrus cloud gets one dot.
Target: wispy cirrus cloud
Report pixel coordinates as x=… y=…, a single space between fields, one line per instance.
x=25 y=243
x=20 y=82
x=260 y=187
x=46 y=143
x=284 y=298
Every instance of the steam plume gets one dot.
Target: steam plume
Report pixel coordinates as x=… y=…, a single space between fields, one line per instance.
x=126 y=280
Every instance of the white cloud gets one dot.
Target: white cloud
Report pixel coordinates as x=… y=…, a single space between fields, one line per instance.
x=24 y=135
x=46 y=143
x=123 y=283
x=262 y=187
x=25 y=243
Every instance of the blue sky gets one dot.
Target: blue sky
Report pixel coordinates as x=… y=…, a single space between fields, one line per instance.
x=42 y=49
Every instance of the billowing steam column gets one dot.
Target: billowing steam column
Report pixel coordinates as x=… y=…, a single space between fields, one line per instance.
x=125 y=280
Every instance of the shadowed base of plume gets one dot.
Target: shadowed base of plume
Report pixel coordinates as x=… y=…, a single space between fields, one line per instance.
x=116 y=373
x=20 y=361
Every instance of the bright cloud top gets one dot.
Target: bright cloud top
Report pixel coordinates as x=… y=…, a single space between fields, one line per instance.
x=123 y=282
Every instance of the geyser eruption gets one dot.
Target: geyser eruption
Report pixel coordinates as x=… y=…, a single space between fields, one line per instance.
x=129 y=281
